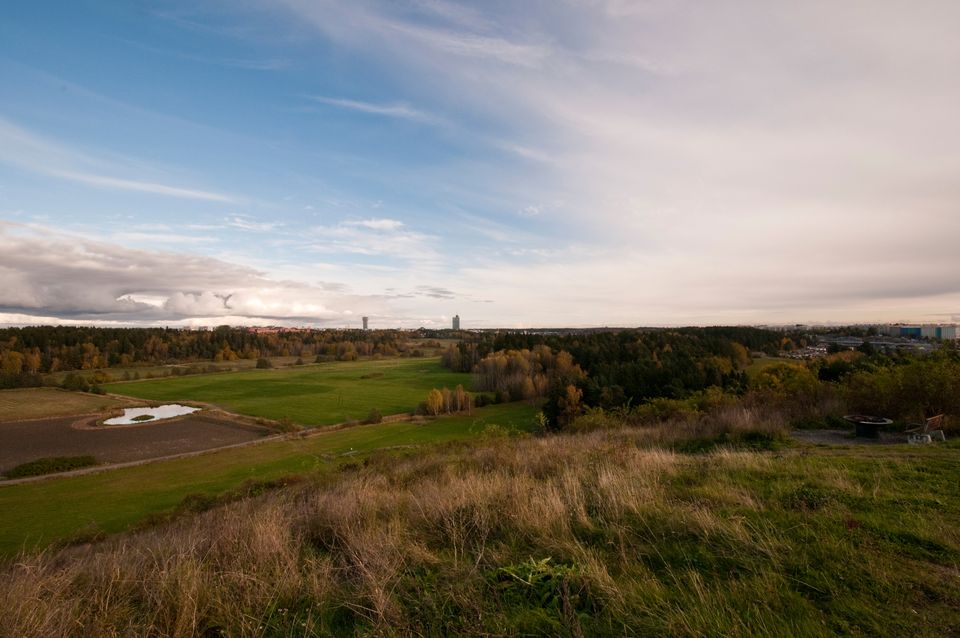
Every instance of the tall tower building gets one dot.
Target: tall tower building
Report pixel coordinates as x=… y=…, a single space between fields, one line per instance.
x=456 y=322
x=365 y=322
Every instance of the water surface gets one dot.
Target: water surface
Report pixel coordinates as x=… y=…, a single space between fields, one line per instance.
x=161 y=412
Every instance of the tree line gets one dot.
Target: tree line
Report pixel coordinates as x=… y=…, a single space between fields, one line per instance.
x=655 y=374
x=26 y=353
x=610 y=369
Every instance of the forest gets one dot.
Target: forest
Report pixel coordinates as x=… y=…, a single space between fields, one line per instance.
x=656 y=375
x=26 y=353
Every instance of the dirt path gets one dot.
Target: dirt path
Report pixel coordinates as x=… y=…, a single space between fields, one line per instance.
x=845 y=437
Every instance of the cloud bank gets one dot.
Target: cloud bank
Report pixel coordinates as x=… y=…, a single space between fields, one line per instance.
x=45 y=273
x=547 y=162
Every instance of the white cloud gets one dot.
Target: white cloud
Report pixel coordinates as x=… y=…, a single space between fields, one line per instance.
x=377 y=224
x=607 y=161
x=380 y=238
x=379 y=23
x=244 y=222
x=46 y=273
x=733 y=159
x=398 y=110
x=197 y=304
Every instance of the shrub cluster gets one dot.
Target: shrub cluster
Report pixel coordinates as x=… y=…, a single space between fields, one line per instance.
x=51 y=465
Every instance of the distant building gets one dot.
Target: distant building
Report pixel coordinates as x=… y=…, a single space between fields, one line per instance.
x=456 y=322
x=366 y=321
x=929 y=331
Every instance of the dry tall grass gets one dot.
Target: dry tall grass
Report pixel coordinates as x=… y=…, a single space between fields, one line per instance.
x=451 y=542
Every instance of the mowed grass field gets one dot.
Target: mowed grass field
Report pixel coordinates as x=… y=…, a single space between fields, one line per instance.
x=39 y=403
x=319 y=394
x=37 y=514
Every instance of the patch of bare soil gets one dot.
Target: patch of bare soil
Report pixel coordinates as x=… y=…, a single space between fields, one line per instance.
x=24 y=441
x=846 y=437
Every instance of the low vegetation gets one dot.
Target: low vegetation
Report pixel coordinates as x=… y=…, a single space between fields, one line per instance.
x=82 y=507
x=640 y=374
x=40 y=403
x=613 y=532
x=50 y=465
x=655 y=490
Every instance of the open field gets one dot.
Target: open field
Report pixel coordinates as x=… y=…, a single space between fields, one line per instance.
x=127 y=373
x=310 y=395
x=601 y=534
x=39 y=403
x=136 y=372
x=24 y=441
x=114 y=500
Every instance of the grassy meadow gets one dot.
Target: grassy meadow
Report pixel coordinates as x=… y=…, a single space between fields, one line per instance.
x=143 y=371
x=39 y=403
x=114 y=500
x=319 y=394
x=605 y=533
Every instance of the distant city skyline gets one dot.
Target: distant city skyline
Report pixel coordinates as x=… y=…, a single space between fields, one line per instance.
x=535 y=164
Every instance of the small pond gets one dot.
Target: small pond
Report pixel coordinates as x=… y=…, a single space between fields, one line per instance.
x=139 y=415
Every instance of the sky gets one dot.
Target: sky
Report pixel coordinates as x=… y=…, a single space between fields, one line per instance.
x=521 y=164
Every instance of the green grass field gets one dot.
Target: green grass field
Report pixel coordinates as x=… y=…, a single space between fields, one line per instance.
x=598 y=534
x=309 y=395
x=37 y=514
x=141 y=371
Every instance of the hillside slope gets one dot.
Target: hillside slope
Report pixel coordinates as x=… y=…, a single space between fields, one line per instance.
x=607 y=533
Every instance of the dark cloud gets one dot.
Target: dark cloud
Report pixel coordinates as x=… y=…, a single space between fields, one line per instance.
x=51 y=275
x=436 y=292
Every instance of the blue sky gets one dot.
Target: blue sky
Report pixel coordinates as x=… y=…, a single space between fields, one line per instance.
x=538 y=163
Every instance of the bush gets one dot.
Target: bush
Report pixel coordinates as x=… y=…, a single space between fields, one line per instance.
x=286 y=424
x=51 y=465
x=374 y=416
x=263 y=363
x=595 y=419
x=483 y=399
x=913 y=391
x=75 y=382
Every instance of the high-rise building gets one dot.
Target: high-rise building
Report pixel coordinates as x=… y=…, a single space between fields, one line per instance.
x=456 y=322
x=365 y=322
